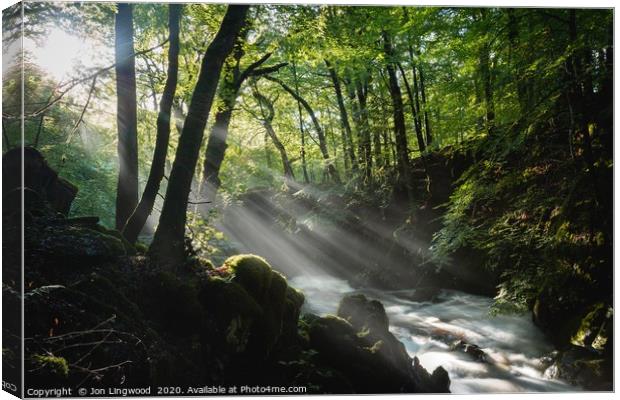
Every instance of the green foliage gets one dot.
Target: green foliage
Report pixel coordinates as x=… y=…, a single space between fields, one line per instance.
x=55 y=365
x=528 y=212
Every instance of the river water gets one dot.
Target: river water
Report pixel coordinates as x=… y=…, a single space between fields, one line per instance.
x=514 y=346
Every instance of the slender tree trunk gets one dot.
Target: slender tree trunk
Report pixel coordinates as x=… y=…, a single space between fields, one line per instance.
x=267 y=152
x=345 y=158
x=427 y=123
x=344 y=118
x=513 y=42
x=5 y=136
x=416 y=97
x=364 y=130
x=355 y=113
x=145 y=207
x=268 y=113
x=487 y=87
x=418 y=131
x=376 y=145
x=304 y=166
x=386 y=145
x=227 y=92
x=168 y=243
x=331 y=170
x=400 y=131
x=39 y=130
x=126 y=115
x=578 y=101
x=216 y=142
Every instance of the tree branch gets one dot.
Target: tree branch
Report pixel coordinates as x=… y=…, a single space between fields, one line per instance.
x=244 y=75
x=76 y=82
x=268 y=70
x=79 y=121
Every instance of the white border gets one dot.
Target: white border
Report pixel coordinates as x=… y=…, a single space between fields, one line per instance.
x=465 y=3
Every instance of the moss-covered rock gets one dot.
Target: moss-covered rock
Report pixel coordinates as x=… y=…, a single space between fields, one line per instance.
x=591 y=331
x=171 y=302
x=293 y=301
x=128 y=248
x=583 y=367
x=557 y=315
x=358 y=344
x=363 y=313
x=252 y=272
x=76 y=242
x=253 y=308
x=231 y=312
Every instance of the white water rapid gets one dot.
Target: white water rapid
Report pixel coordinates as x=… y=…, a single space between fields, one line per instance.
x=513 y=345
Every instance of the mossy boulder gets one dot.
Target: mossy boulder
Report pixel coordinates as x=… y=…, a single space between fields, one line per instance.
x=231 y=312
x=583 y=367
x=363 y=313
x=557 y=315
x=253 y=273
x=128 y=248
x=69 y=241
x=293 y=301
x=171 y=302
x=253 y=308
x=592 y=330
x=357 y=343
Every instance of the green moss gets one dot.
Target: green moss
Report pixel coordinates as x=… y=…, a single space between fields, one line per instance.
x=128 y=248
x=588 y=330
x=55 y=365
x=252 y=272
x=375 y=348
x=141 y=248
x=270 y=326
x=294 y=298
x=227 y=299
x=232 y=311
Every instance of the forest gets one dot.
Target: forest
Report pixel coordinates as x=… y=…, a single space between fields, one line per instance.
x=323 y=198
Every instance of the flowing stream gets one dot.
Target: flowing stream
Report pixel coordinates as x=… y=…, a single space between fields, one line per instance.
x=513 y=345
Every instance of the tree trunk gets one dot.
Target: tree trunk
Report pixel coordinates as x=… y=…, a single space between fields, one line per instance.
x=400 y=131
x=416 y=97
x=487 y=86
x=145 y=207
x=364 y=130
x=355 y=113
x=376 y=145
x=344 y=118
x=427 y=123
x=216 y=142
x=227 y=92
x=331 y=170
x=304 y=166
x=126 y=115
x=267 y=152
x=513 y=42
x=418 y=130
x=168 y=243
x=267 y=113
